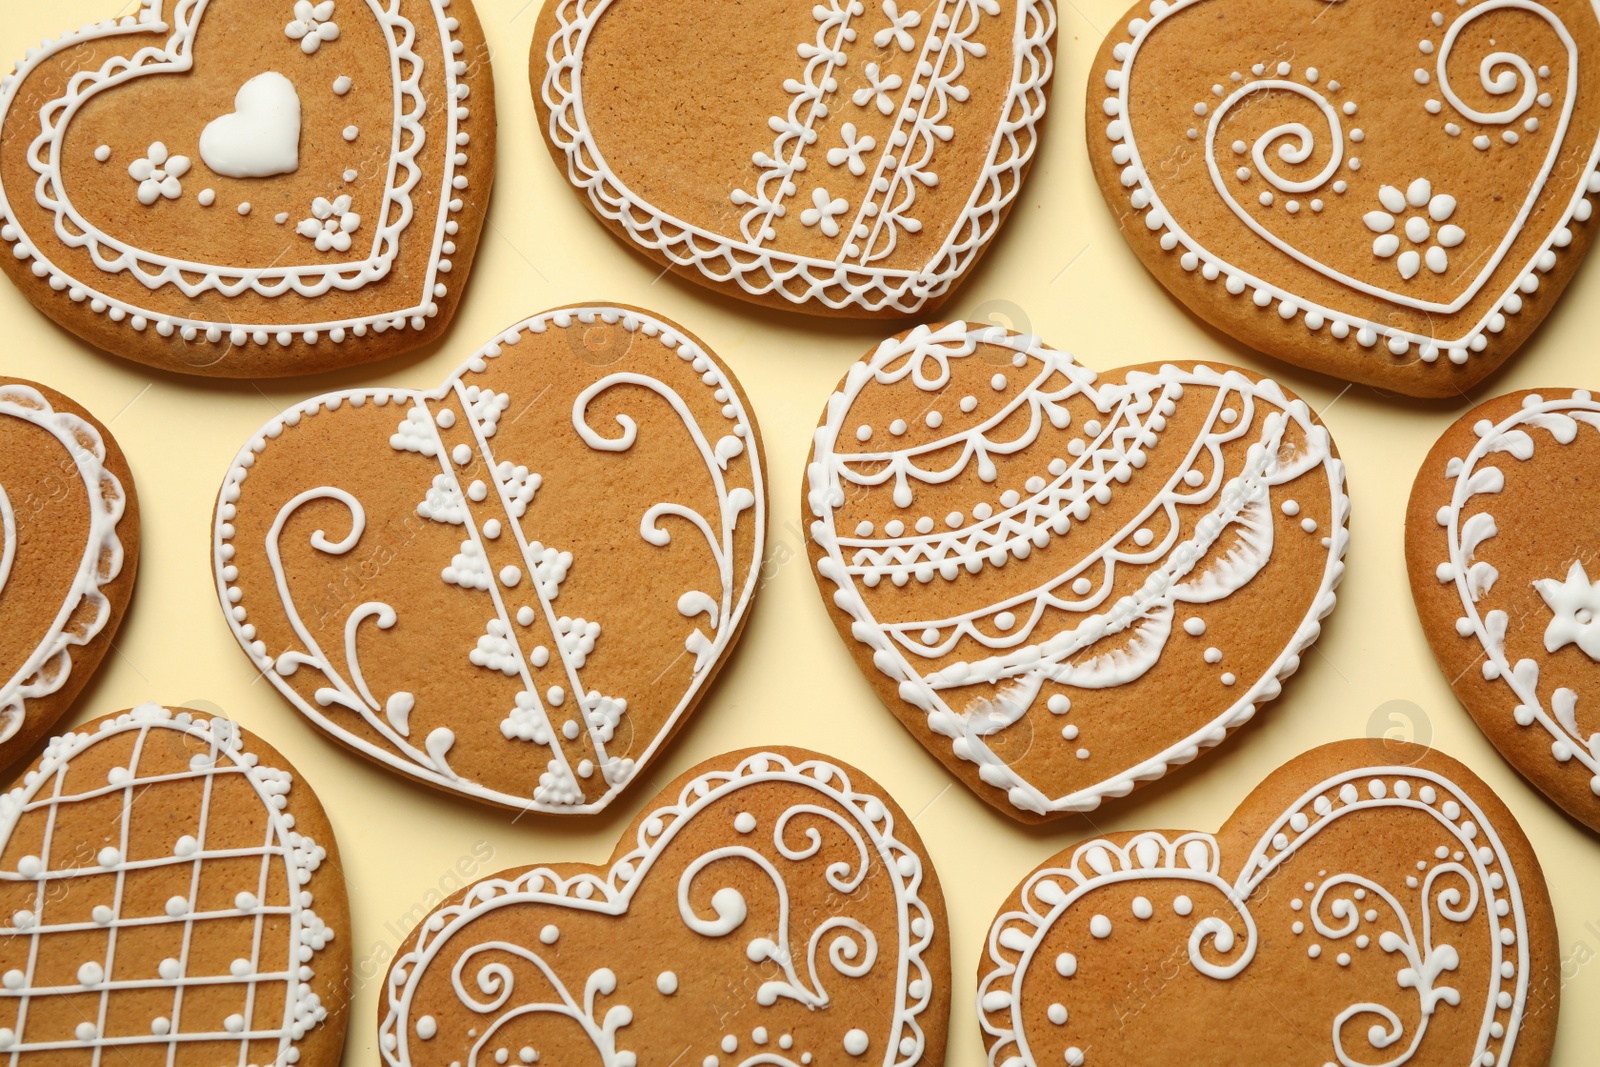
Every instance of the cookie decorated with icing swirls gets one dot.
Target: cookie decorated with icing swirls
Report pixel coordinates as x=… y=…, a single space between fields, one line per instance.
x=1064 y=584
x=69 y=549
x=1369 y=903
x=768 y=907
x=516 y=586
x=247 y=188
x=1392 y=191
x=170 y=893
x=1500 y=551
x=848 y=157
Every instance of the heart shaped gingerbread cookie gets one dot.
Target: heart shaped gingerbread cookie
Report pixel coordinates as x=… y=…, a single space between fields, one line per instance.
x=1500 y=550
x=1393 y=191
x=849 y=157
x=517 y=586
x=237 y=189
x=1386 y=888
x=801 y=889
x=1065 y=585
x=69 y=550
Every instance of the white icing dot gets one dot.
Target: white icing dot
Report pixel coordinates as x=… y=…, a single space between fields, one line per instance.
x=427 y=1027
x=897 y=427
x=934 y=420
x=1142 y=908
x=510 y=576
x=461 y=454
x=1213 y=655
x=1194 y=626
x=1066 y=965
x=91 y=974
x=744 y=822
x=855 y=1042
x=1081 y=586
x=969 y=404
x=525 y=616
x=549 y=934
x=1291 y=507
x=103 y=153
x=863 y=433
x=1057 y=1013
x=351 y=133
x=207 y=197
x=1100 y=926
x=491 y=528
x=998 y=382
x=666 y=983
x=1182 y=905
x=1058 y=704
x=341 y=85
x=244 y=208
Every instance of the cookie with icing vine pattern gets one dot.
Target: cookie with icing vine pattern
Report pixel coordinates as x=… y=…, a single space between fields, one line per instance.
x=1500 y=557
x=1384 y=883
x=848 y=157
x=1064 y=584
x=770 y=906
x=1392 y=191
x=517 y=586
x=170 y=893
x=69 y=550
x=248 y=188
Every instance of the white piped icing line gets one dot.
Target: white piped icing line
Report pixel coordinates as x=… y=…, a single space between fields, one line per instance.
x=1479 y=904
x=84 y=609
x=488 y=978
x=1571 y=599
x=287 y=860
x=796 y=166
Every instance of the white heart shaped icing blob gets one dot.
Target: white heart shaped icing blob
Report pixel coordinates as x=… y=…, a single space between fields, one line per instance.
x=261 y=138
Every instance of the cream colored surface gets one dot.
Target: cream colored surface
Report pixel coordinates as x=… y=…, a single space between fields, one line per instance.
x=1060 y=269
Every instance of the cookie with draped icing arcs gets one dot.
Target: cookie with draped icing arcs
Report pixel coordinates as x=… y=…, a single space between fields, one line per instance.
x=1500 y=553
x=845 y=157
x=170 y=893
x=69 y=549
x=771 y=906
x=248 y=188
x=1393 y=191
x=1368 y=904
x=1065 y=584
x=516 y=586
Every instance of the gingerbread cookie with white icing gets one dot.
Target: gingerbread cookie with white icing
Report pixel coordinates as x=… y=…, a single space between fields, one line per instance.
x=1392 y=191
x=1383 y=884
x=848 y=157
x=1501 y=550
x=239 y=188
x=517 y=586
x=1064 y=584
x=69 y=550
x=770 y=906
x=170 y=893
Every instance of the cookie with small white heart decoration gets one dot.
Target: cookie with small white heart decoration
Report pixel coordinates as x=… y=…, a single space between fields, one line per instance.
x=1382 y=883
x=1065 y=584
x=847 y=157
x=517 y=586
x=247 y=188
x=1501 y=555
x=1392 y=191
x=770 y=906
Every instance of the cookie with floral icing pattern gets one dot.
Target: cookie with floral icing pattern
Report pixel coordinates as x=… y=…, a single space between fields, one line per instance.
x=247 y=188
x=170 y=893
x=848 y=157
x=769 y=907
x=1065 y=584
x=1501 y=551
x=516 y=586
x=1393 y=191
x=1383 y=884
x=69 y=550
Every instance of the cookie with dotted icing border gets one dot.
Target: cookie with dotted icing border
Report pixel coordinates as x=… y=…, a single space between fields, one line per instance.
x=1064 y=584
x=69 y=550
x=1392 y=191
x=849 y=157
x=1500 y=554
x=170 y=891
x=234 y=188
x=799 y=885
x=1382 y=883
x=517 y=586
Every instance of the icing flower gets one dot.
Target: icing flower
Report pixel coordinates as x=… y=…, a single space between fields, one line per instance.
x=313 y=24
x=1418 y=229
x=825 y=212
x=1576 y=604
x=853 y=148
x=331 y=225
x=157 y=174
x=878 y=89
x=899 y=27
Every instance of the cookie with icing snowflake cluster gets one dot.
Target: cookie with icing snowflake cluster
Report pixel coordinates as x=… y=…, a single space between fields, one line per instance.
x=1383 y=885
x=771 y=906
x=1501 y=553
x=1392 y=191
x=516 y=586
x=247 y=188
x=1065 y=584
x=170 y=892
x=846 y=157
x=69 y=550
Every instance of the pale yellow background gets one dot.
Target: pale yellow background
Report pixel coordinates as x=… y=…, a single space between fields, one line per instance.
x=1060 y=269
